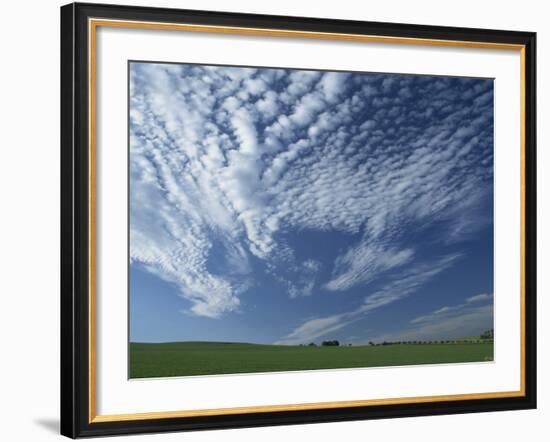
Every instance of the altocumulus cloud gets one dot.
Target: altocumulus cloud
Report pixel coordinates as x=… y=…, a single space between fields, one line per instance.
x=225 y=161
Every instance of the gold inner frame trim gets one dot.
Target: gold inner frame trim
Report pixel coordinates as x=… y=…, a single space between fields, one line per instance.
x=93 y=24
x=298 y=407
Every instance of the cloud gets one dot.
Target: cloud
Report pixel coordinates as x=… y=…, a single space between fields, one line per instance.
x=314 y=328
x=408 y=282
x=298 y=279
x=245 y=131
x=448 y=322
x=364 y=262
x=227 y=161
x=333 y=84
x=480 y=297
x=452 y=310
x=306 y=274
x=398 y=288
x=471 y=322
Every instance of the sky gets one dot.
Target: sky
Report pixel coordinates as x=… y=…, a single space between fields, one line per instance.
x=289 y=206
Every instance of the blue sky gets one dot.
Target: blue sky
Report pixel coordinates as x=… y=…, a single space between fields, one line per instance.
x=290 y=206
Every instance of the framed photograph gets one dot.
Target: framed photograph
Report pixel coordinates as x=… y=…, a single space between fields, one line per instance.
x=274 y=220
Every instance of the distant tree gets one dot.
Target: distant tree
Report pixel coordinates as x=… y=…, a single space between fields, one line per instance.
x=312 y=344
x=371 y=343
x=330 y=343
x=488 y=334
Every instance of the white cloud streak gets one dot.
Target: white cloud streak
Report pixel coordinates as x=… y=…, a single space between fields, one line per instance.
x=470 y=318
x=398 y=288
x=362 y=263
x=480 y=297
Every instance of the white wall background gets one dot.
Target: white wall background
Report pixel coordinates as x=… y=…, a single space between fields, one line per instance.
x=29 y=220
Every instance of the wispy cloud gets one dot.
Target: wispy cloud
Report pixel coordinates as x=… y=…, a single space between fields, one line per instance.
x=232 y=159
x=447 y=311
x=314 y=328
x=480 y=297
x=408 y=282
x=362 y=263
x=398 y=288
x=469 y=318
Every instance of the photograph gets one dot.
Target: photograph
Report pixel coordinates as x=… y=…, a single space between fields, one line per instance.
x=279 y=220
x=287 y=219
x=275 y=221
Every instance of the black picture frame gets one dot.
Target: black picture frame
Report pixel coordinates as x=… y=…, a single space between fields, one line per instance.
x=75 y=221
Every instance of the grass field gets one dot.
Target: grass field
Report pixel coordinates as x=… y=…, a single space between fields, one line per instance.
x=206 y=358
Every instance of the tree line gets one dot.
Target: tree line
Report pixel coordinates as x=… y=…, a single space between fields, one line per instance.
x=333 y=343
x=485 y=337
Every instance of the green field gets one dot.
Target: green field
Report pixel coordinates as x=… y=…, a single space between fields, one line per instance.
x=207 y=358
